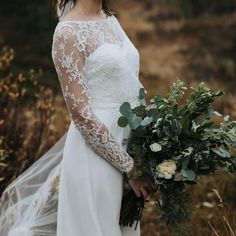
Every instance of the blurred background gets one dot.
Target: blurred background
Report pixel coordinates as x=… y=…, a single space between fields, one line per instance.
x=190 y=39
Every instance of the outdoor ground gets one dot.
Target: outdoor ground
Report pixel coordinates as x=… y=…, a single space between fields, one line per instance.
x=194 y=49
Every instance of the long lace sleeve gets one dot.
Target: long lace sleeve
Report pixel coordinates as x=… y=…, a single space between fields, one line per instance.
x=69 y=59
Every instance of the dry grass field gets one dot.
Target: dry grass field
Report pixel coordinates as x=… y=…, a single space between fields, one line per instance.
x=195 y=49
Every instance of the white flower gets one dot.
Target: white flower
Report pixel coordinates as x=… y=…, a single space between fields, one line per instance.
x=155 y=147
x=166 y=169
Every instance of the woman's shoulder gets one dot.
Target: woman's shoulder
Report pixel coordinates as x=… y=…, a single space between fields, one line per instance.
x=75 y=26
x=69 y=29
x=64 y=31
x=82 y=31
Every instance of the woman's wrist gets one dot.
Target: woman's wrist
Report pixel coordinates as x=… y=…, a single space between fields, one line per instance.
x=129 y=174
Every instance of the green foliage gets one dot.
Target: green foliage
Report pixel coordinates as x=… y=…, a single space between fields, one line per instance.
x=176 y=92
x=175 y=210
x=174 y=143
x=200 y=102
x=128 y=117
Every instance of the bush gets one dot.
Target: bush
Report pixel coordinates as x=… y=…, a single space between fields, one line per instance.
x=26 y=111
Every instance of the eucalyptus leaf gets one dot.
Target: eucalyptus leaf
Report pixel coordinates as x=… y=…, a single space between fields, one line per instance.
x=125 y=109
x=134 y=121
x=154 y=113
x=189 y=174
x=141 y=93
x=142 y=101
x=185 y=162
x=146 y=121
x=123 y=121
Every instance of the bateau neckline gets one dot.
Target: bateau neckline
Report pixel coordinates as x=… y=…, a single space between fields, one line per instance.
x=88 y=21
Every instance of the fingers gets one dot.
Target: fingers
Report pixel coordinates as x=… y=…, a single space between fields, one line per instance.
x=145 y=192
x=137 y=193
x=151 y=186
x=143 y=188
x=151 y=189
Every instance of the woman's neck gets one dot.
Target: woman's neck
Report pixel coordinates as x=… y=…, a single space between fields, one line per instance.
x=88 y=8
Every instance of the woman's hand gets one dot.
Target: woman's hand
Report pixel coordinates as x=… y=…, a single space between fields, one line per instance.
x=142 y=187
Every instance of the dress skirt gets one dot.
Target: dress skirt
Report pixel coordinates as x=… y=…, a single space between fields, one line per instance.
x=90 y=188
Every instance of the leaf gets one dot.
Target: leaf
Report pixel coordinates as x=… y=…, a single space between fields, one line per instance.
x=222 y=153
x=217 y=113
x=158 y=97
x=209 y=112
x=125 y=109
x=232 y=134
x=122 y=121
x=141 y=96
x=142 y=101
x=226 y=118
x=187 y=151
x=206 y=123
x=163 y=142
x=185 y=163
x=134 y=121
x=219 y=93
x=195 y=126
x=146 y=121
x=153 y=113
x=189 y=174
x=141 y=93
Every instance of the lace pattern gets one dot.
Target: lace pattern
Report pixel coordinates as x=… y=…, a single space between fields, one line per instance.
x=73 y=43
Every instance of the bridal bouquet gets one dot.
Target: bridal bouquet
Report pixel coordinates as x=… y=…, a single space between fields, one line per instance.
x=174 y=143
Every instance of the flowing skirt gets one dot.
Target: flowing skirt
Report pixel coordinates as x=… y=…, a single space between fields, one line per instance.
x=69 y=191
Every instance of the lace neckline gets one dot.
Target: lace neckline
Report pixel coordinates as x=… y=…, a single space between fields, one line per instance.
x=88 y=21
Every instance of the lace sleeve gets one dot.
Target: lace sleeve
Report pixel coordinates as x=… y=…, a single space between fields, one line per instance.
x=69 y=60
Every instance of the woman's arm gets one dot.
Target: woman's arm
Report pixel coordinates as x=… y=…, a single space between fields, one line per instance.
x=69 y=59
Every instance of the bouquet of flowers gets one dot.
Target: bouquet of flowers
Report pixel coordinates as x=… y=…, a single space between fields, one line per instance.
x=174 y=143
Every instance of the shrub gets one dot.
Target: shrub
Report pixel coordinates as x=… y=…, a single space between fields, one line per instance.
x=25 y=115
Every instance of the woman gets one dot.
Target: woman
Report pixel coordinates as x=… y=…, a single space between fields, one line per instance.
x=97 y=66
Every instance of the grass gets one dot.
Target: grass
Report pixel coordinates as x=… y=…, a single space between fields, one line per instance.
x=195 y=49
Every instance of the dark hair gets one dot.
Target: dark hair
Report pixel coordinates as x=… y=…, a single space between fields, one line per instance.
x=62 y=3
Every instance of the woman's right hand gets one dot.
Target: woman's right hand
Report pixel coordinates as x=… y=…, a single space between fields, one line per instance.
x=142 y=187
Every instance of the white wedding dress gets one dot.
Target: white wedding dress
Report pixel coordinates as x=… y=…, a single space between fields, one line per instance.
x=75 y=189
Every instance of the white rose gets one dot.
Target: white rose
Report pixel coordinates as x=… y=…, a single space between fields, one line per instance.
x=155 y=147
x=166 y=169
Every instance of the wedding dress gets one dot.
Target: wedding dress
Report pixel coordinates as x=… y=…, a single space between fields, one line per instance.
x=75 y=189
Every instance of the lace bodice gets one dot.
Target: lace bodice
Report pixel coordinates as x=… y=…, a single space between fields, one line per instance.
x=97 y=67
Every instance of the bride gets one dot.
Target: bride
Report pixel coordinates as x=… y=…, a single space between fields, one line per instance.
x=75 y=189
